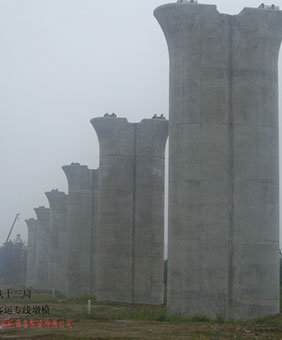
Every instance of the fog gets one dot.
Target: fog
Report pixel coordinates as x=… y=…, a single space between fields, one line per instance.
x=63 y=62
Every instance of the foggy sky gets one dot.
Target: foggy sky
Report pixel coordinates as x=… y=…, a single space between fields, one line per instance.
x=63 y=62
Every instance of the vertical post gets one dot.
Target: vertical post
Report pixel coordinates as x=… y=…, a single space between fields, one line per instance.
x=89 y=307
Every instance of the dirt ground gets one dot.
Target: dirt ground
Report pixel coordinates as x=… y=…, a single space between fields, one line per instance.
x=130 y=329
x=124 y=321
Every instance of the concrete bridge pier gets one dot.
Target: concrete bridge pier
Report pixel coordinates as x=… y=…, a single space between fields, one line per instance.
x=131 y=210
x=81 y=229
x=223 y=154
x=57 y=264
x=31 y=253
x=42 y=247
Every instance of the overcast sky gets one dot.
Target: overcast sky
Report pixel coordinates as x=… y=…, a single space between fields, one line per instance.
x=63 y=62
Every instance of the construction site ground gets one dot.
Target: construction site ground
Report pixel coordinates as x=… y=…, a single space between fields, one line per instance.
x=68 y=318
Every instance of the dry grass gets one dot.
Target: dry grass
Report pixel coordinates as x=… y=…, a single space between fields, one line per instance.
x=125 y=321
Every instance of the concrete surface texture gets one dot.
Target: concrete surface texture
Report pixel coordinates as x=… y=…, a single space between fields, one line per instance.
x=31 y=252
x=57 y=262
x=81 y=225
x=131 y=210
x=223 y=156
x=42 y=247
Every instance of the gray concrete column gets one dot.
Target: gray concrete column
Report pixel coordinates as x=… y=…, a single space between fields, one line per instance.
x=31 y=252
x=42 y=247
x=57 y=264
x=131 y=209
x=81 y=224
x=148 y=284
x=223 y=154
x=254 y=283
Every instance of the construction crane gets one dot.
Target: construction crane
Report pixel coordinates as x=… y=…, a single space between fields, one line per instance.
x=12 y=227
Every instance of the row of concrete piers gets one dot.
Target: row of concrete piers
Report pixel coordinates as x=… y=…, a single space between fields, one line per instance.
x=223 y=227
x=106 y=236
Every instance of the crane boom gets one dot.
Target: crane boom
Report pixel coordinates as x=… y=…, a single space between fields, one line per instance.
x=12 y=227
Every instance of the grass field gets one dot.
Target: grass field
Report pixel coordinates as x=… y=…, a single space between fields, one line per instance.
x=124 y=321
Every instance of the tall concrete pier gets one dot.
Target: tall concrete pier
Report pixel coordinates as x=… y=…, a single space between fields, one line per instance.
x=131 y=210
x=223 y=153
x=42 y=247
x=81 y=224
x=31 y=252
x=57 y=264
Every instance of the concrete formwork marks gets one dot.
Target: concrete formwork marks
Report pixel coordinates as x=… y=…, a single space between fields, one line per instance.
x=130 y=226
x=223 y=172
